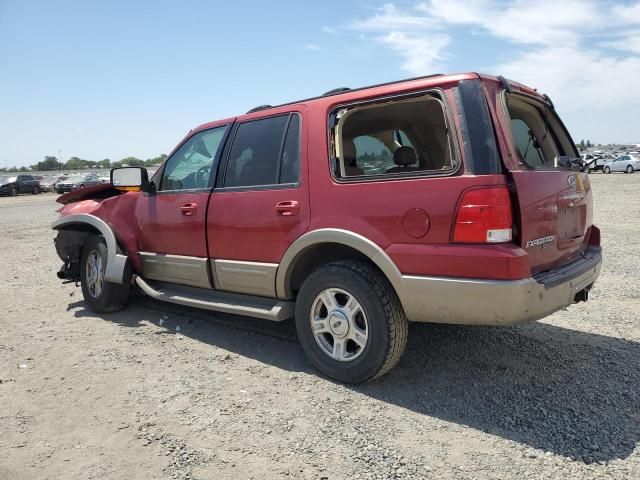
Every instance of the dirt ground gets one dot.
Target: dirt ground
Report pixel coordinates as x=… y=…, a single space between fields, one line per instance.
x=158 y=391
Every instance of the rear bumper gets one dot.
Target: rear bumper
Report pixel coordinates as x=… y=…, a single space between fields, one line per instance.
x=498 y=302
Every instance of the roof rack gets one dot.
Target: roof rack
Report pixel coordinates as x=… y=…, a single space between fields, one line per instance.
x=336 y=90
x=258 y=108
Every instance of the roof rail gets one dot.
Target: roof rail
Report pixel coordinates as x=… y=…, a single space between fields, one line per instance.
x=258 y=108
x=336 y=90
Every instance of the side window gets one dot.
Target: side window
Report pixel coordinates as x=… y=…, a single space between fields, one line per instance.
x=265 y=152
x=191 y=165
x=290 y=169
x=403 y=137
x=372 y=156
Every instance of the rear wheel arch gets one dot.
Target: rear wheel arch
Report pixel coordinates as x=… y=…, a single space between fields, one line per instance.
x=320 y=247
x=84 y=224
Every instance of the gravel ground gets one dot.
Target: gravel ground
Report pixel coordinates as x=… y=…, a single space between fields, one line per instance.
x=158 y=391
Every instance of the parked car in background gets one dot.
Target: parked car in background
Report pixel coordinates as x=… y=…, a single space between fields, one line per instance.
x=595 y=162
x=77 y=181
x=49 y=182
x=624 y=163
x=13 y=185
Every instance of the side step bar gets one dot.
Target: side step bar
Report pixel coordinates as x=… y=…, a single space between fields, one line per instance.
x=260 y=307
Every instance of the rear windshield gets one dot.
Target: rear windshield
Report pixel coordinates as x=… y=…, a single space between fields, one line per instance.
x=538 y=133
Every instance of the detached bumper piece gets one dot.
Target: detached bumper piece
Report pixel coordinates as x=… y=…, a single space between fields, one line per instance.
x=489 y=302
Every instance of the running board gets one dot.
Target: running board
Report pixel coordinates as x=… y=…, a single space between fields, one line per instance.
x=260 y=307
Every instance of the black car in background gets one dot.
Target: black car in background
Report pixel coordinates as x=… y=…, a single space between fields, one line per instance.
x=15 y=184
x=77 y=181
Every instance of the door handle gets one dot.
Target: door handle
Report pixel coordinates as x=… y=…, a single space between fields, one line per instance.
x=288 y=208
x=189 y=209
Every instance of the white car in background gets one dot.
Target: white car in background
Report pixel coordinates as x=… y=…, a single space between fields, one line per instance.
x=624 y=163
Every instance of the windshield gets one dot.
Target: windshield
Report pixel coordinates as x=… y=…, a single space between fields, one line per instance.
x=76 y=178
x=7 y=179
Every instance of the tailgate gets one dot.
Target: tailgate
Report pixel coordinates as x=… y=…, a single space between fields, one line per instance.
x=555 y=216
x=554 y=204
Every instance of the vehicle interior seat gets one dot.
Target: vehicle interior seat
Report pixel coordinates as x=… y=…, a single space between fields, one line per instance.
x=349 y=155
x=406 y=159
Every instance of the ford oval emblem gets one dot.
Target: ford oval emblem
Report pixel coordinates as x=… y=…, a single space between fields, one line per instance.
x=572 y=181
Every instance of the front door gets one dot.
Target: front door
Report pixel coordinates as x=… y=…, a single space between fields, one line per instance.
x=260 y=204
x=172 y=243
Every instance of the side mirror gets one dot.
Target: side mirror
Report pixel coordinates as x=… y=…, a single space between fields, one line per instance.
x=130 y=179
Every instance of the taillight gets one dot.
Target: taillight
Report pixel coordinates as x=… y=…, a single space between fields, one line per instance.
x=484 y=216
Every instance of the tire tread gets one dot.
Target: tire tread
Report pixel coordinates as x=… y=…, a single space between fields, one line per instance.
x=397 y=320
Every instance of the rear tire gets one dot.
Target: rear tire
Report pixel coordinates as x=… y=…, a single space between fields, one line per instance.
x=629 y=169
x=101 y=296
x=606 y=170
x=350 y=322
x=14 y=191
x=35 y=191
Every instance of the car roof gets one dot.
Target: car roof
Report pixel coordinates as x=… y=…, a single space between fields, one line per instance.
x=341 y=95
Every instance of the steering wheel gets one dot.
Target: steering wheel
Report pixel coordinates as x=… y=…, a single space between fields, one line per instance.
x=202 y=176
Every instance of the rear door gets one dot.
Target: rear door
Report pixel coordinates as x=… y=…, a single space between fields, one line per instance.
x=554 y=202
x=260 y=204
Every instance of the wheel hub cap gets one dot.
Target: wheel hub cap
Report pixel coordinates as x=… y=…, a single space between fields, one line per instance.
x=339 y=324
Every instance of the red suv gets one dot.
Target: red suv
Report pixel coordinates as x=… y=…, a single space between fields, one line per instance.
x=449 y=198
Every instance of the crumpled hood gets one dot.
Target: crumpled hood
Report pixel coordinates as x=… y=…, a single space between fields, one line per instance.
x=99 y=191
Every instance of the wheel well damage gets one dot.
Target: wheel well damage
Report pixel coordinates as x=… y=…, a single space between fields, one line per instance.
x=73 y=231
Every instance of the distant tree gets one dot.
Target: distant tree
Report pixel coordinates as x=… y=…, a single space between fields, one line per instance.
x=24 y=169
x=581 y=145
x=132 y=162
x=49 y=163
x=106 y=163
x=75 y=163
x=589 y=145
x=156 y=160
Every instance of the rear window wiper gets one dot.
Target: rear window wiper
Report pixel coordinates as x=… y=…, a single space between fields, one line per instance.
x=565 y=161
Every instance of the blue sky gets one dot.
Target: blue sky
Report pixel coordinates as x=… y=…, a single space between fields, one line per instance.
x=113 y=79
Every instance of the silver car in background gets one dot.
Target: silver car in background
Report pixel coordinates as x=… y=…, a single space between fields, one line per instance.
x=77 y=181
x=624 y=163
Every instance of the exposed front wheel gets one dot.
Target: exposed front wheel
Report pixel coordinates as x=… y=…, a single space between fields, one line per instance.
x=14 y=191
x=607 y=170
x=350 y=322
x=629 y=169
x=100 y=296
x=35 y=190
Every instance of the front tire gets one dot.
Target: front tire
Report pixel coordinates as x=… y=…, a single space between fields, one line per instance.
x=100 y=296
x=629 y=169
x=350 y=322
x=14 y=191
x=607 y=170
x=35 y=191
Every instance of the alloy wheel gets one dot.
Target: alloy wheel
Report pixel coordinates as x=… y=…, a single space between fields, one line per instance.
x=94 y=273
x=339 y=324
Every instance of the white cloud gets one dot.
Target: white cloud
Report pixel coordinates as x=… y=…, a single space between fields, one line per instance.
x=328 y=29
x=581 y=80
x=388 y=18
x=546 y=40
x=421 y=53
x=415 y=37
x=544 y=22
x=313 y=47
